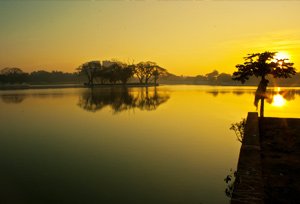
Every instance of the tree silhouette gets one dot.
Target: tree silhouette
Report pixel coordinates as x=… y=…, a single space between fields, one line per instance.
x=119 y=71
x=158 y=71
x=261 y=65
x=59 y=77
x=13 y=75
x=91 y=70
x=212 y=77
x=239 y=129
x=145 y=71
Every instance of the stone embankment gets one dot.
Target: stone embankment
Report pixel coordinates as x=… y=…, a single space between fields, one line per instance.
x=269 y=161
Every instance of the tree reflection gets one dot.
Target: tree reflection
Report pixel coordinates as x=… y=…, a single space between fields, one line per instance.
x=272 y=97
x=215 y=93
x=13 y=98
x=288 y=94
x=121 y=99
x=237 y=92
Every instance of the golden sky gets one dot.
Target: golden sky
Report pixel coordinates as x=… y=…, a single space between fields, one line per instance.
x=185 y=37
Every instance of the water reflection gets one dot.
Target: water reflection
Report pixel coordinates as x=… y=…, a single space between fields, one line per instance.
x=278 y=100
x=13 y=98
x=238 y=92
x=275 y=97
x=278 y=97
x=215 y=93
x=121 y=99
x=287 y=94
x=16 y=98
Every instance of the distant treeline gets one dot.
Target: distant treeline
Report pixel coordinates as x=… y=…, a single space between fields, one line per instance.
x=18 y=76
x=90 y=73
x=110 y=75
x=224 y=79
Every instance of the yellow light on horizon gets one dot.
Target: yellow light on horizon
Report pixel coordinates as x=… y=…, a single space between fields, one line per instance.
x=278 y=100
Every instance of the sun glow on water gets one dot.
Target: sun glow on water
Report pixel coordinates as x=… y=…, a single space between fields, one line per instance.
x=278 y=101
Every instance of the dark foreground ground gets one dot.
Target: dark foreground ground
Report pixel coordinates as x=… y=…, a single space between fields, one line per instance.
x=280 y=156
x=269 y=162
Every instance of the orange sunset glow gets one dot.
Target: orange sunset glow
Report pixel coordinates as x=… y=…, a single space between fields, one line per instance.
x=185 y=37
x=149 y=101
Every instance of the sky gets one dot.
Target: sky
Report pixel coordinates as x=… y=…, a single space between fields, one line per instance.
x=186 y=37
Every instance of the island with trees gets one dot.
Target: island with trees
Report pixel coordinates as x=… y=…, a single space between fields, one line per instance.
x=117 y=72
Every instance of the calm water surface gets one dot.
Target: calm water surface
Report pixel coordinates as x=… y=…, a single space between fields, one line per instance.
x=169 y=145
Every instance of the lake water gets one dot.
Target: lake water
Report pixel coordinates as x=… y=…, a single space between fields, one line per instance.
x=156 y=146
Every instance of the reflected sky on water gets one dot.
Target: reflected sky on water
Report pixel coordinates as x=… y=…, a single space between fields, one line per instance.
x=166 y=145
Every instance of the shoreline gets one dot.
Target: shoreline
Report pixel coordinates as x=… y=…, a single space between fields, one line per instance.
x=130 y=85
x=48 y=86
x=58 y=86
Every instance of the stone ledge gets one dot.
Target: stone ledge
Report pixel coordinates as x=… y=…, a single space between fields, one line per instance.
x=249 y=181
